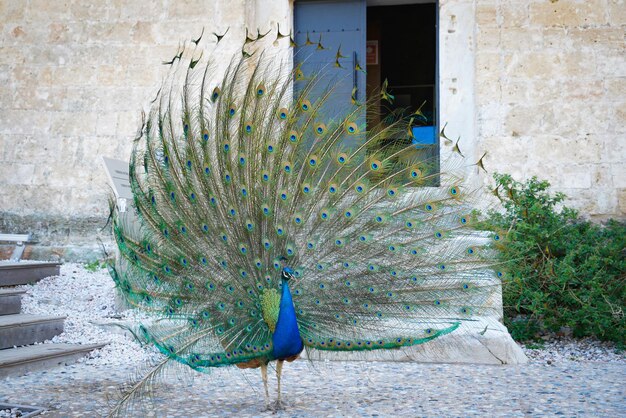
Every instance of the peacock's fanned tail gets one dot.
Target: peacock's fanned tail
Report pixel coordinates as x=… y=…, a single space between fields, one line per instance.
x=233 y=170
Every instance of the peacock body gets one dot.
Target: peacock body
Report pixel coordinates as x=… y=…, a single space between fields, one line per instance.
x=267 y=222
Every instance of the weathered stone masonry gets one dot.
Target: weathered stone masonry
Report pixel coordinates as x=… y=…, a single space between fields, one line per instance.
x=540 y=84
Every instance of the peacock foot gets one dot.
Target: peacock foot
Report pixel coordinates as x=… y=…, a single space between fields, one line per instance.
x=278 y=406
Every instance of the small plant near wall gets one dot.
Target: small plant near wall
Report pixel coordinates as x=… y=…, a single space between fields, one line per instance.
x=564 y=274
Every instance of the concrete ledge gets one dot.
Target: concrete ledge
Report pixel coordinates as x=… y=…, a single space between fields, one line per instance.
x=14 y=273
x=22 y=360
x=10 y=301
x=22 y=329
x=482 y=342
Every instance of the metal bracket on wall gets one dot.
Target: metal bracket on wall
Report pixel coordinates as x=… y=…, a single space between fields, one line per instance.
x=19 y=240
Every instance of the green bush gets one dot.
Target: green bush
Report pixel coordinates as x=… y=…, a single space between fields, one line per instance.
x=562 y=271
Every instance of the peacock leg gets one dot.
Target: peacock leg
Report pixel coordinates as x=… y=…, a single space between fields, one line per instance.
x=267 y=392
x=279 y=370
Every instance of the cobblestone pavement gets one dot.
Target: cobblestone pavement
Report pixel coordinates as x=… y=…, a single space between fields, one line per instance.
x=333 y=389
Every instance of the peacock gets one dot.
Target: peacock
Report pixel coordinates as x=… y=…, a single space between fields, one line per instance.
x=267 y=220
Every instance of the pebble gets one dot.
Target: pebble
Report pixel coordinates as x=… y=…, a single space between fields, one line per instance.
x=564 y=377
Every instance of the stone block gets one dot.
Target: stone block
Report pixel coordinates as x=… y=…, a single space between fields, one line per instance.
x=12 y=10
x=617 y=12
x=89 y=10
x=615 y=89
x=26 y=122
x=106 y=124
x=517 y=91
x=515 y=14
x=45 y=11
x=74 y=123
x=131 y=10
x=618 y=171
x=523 y=120
x=602 y=177
x=16 y=173
x=621 y=197
x=521 y=39
x=568 y=13
x=486 y=14
x=487 y=39
x=142 y=32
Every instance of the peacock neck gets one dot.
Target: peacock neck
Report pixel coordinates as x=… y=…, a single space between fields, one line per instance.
x=286 y=339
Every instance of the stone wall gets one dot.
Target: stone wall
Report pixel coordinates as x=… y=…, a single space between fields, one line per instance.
x=539 y=84
x=550 y=91
x=74 y=77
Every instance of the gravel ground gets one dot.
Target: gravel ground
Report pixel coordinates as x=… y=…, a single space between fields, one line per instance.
x=564 y=377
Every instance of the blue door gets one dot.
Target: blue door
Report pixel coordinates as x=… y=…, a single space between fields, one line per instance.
x=335 y=26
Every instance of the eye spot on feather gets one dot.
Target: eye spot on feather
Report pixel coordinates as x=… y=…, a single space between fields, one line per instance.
x=320 y=129
x=293 y=136
x=216 y=94
x=248 y=128
x=282 y=113
x=270 y=148
x=438 y=234
x=351 y=128
x=305 y=105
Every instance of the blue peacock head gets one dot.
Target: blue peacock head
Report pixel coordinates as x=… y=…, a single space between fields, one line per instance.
x=287 y=272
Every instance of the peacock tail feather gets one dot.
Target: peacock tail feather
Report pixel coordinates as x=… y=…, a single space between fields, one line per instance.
x=232 y=170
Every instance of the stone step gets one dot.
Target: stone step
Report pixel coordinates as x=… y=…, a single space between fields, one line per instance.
x=24 y=272
x=10 y=301
x=22 y=360
x=22 y=329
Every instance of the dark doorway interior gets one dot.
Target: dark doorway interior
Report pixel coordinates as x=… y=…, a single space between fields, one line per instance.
x=406 y=44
